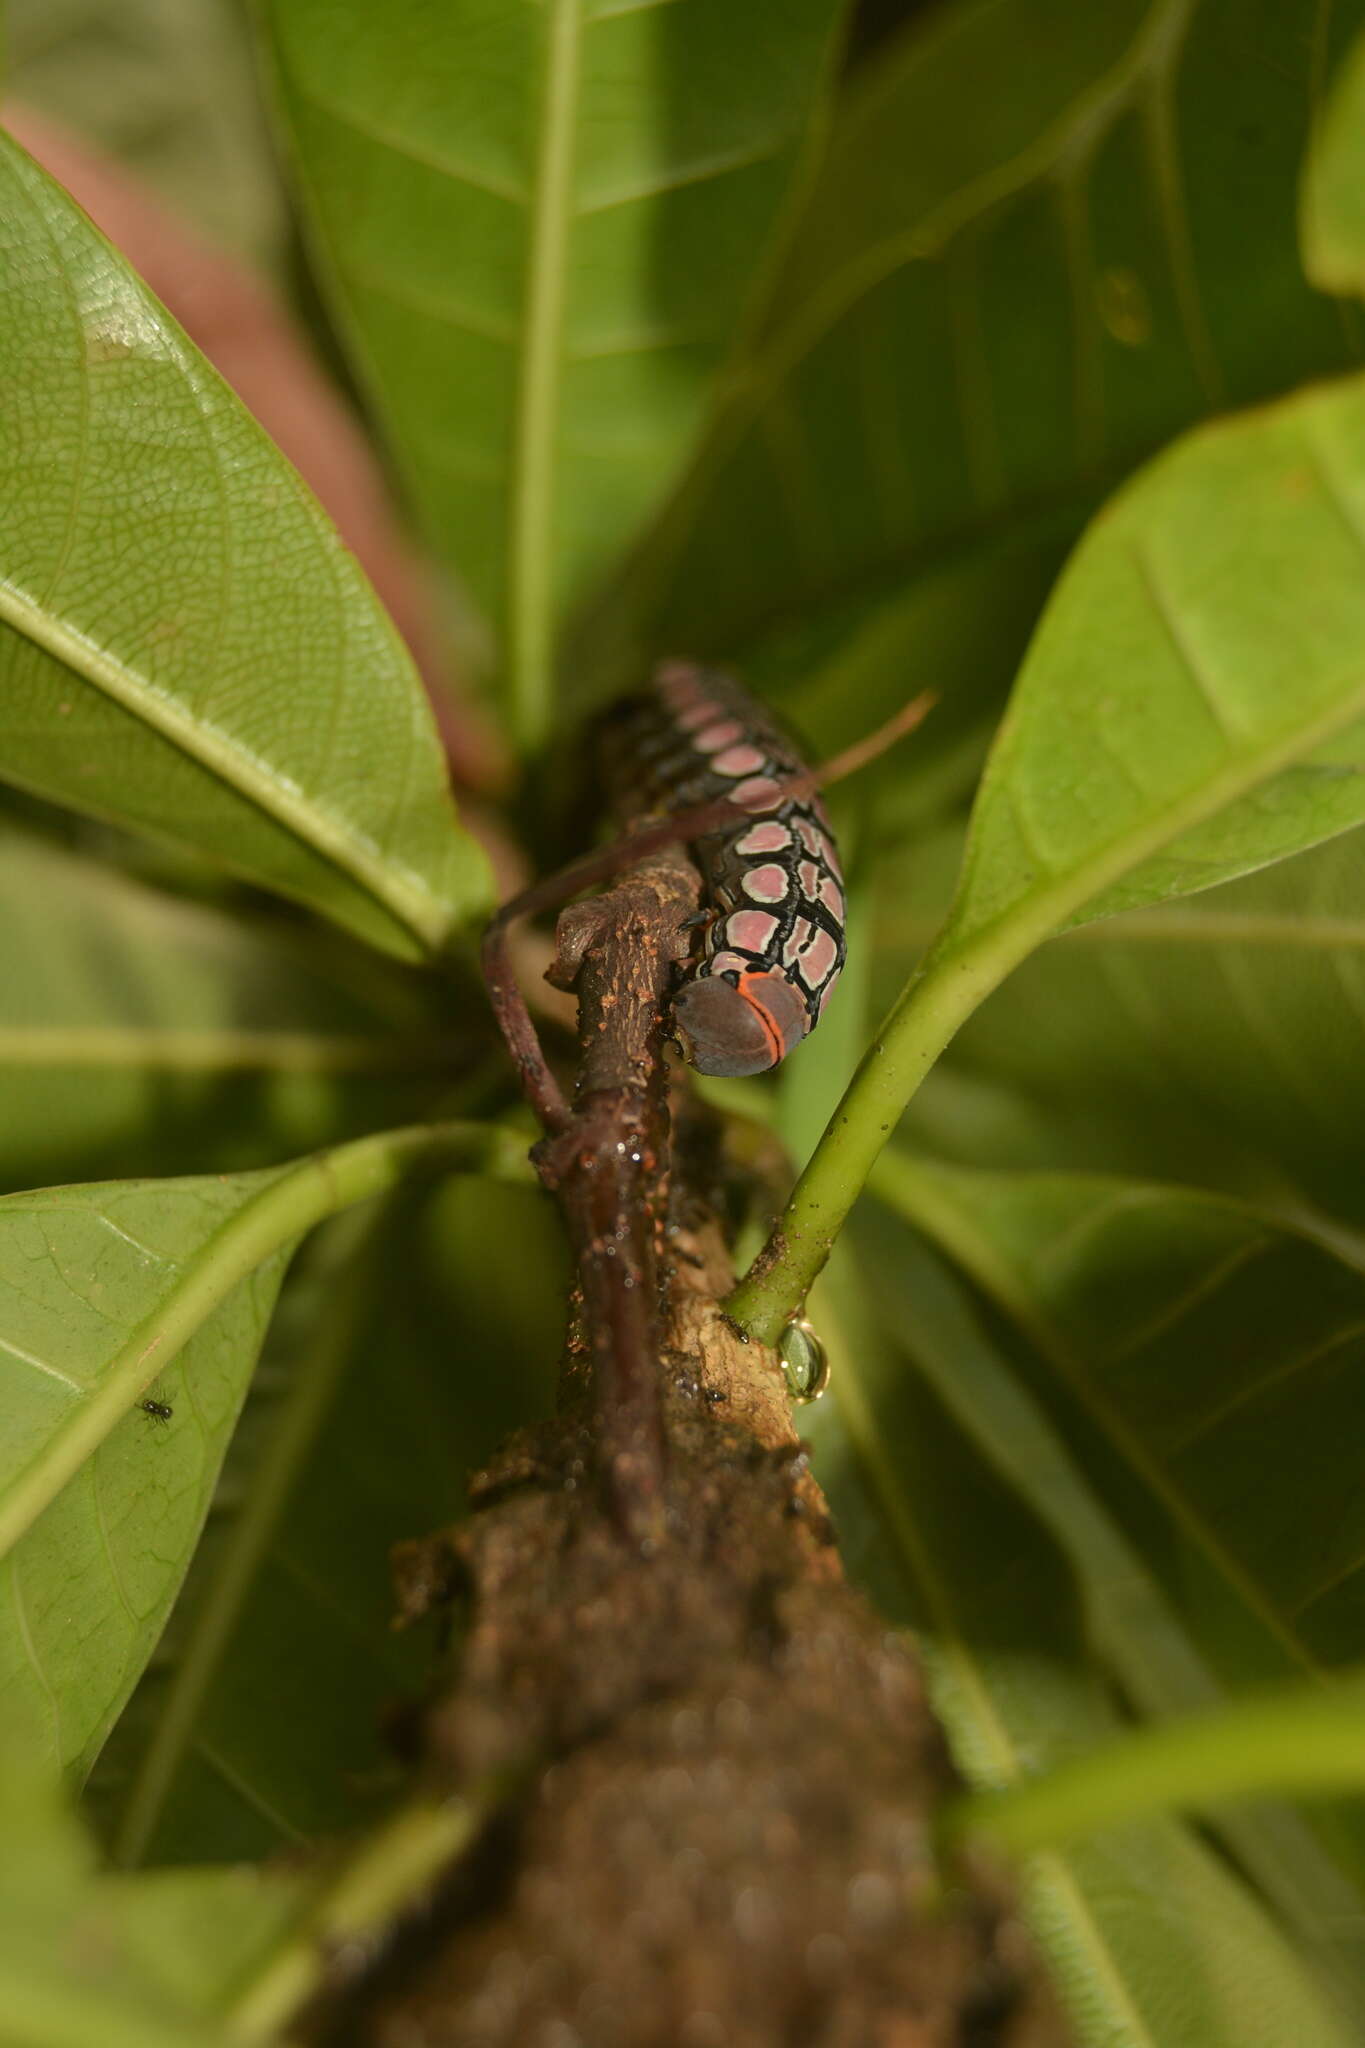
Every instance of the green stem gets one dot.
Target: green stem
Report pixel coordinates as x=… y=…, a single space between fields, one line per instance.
x=392 y=1870
x=934 y=1006
x=1282 y=1744
x=278 y=1216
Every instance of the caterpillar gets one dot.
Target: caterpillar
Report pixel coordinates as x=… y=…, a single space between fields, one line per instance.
x=771 y=942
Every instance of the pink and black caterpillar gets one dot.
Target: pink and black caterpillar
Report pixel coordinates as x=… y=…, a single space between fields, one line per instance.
x=772 y=938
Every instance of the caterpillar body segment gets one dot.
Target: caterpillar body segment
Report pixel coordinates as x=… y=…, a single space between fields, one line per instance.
x=771 y=943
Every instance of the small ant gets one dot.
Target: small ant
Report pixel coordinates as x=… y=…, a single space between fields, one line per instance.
x=160 y=1411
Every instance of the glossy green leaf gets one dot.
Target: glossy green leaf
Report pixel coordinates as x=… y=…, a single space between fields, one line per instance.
x=1210 y=1363
x=1045 y=238
x=141 y=1034
x=540 y=225
x=1333 y=198
x=260 y=1722
x=107 y=1292
x=1151 y=1937
x=88 y=1583
x=956 y=630
x=1131 y=1627
x=185 y=645
x=1215 y=1041
x=1192 y=707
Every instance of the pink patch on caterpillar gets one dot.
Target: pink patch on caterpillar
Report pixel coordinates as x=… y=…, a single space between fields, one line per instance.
x=800 y=936
x=810 y=878
x=815 y=960
x=759 y=793
x=817 y=843
x=728 y=963
x=754 y=930
x=832 y=896
x=770 y=837
x=700 y=711
x=767 y=884
x=741 y=760
x=714 y=737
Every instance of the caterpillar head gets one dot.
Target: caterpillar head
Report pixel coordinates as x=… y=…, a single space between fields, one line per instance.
x=733 y=1028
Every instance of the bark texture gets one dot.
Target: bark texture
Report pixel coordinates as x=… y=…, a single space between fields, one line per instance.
x=722 y=1771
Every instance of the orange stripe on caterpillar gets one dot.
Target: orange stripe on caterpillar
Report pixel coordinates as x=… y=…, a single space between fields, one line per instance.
x=738 y=1028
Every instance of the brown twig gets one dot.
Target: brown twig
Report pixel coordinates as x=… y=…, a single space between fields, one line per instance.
x=722 y=1769
x=607 y=1160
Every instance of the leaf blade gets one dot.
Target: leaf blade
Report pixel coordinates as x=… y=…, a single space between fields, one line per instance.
x=1010 y=283
x=101 y=1291
x=1148 y=1934
x=144 y=1035
x=187 y=645
x=1331 y=222
x=293 y=1572
x=1192 y=708
x=606 y=174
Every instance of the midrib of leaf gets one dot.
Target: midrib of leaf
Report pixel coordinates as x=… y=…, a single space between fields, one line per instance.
x=389 y=882
x=1047 y=1873
x=291 y=1438
x=531 y=542
x=190 y=1051
x=267 y=1223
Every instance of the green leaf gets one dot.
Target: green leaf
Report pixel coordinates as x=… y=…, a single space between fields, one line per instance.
x=1295 y=1739
x=540 y=225
x=1045 y=238
x=142 y=1034
x=107 y=1292
x=1130 y=1626
x=1332 y=203
x=1208 y=1364
x=88 y=1583
x=958 y=629
x=1152 y=1938
x=371 y=1406
x=141 y=1962
x=1214 y=1040
x=185 y=645
x=1192 y=707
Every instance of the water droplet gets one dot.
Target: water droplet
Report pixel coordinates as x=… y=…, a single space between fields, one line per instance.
x=805 y=1362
